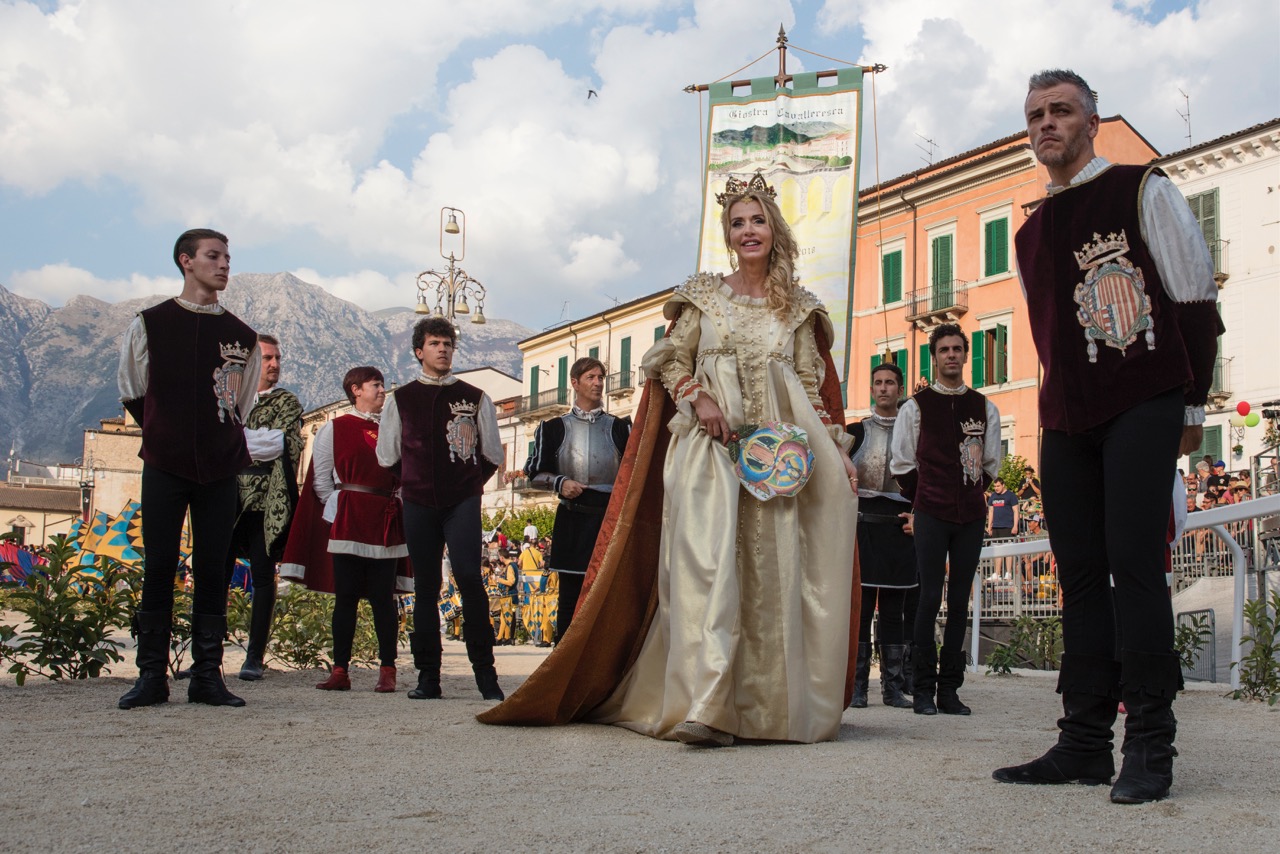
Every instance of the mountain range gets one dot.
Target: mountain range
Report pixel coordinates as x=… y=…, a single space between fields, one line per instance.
x=58 y=365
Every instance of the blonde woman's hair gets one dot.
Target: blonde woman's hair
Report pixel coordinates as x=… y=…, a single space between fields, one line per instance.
x=780 y=284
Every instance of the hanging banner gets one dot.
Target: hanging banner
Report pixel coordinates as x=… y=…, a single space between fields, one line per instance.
x=806 y=141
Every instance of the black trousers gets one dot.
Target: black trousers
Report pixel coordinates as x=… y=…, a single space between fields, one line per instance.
x=249 y=540
x=572 y=542
x=356 y=578
x=1108 y=493
x=427 y=531
x=165 y=500
x=945 y=551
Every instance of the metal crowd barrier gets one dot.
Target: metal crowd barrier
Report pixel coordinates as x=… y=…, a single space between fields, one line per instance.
x=1018 y=577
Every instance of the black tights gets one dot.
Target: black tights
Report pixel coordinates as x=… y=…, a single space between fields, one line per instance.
x=165 y=499
x=1108 y=493
x=356 y=578
x=891 y=601
x=945 y=551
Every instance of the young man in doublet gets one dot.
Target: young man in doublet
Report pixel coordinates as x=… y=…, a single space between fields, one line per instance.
x=1121 y=303
x=576 y=456
x=945 y=453
x=443 y=434
x=188 y=370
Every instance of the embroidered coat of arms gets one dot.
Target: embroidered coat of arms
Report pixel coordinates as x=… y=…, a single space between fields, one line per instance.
x=1113 y=301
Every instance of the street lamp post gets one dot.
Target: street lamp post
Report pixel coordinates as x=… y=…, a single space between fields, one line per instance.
x=444 y=293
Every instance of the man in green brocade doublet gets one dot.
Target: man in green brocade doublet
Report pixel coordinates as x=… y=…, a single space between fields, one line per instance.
x=268 y=495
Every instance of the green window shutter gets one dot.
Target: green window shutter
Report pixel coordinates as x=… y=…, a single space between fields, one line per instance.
x=532 y=445
x=1204 y=206
x=593 y=353
x=1212 y=445
x=926 y=363
x=979 y=360
x=563 y=380
x=533 y=384
x=942 y=262
x=658 y=332
x=625 y=358
x=900 y=359
x=891 y=273
x=996 y=251
x=1002 y=354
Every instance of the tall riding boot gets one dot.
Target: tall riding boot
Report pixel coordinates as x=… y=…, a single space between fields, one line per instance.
x=891 y=677
x=1148 y=683
x=480 y=653
x=926 y=668
x=152 y=687
x=861 y=677
x=950 y=678
x=1090 y=689
x=208 y=632
x=264 y=603
x=426 y=658
x=908 y=670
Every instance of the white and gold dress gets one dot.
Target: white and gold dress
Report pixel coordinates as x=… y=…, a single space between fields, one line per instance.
x=751 y=635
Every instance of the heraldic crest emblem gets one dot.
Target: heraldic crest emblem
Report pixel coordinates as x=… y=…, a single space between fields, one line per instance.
x=461 y=432
x=1114 y=306
x=971 y=449
x=228 y=378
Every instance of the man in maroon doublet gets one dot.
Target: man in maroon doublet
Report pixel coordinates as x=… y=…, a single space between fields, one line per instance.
x=946 y=445
x=443 y=434
x=193 y=447
x=1121 y=303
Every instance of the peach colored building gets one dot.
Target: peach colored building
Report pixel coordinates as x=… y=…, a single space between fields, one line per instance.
x=936 y=245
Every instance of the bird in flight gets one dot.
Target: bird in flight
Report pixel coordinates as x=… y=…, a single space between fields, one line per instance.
x=592 y=93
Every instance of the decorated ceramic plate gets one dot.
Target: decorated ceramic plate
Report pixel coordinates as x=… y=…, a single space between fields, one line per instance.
x=772 y=458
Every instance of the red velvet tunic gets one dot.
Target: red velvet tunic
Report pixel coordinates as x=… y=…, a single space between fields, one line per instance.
x=368 y=524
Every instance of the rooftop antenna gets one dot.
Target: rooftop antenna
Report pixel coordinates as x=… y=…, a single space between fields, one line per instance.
x=1186 y=117
x=616 y=301
x=933 y=146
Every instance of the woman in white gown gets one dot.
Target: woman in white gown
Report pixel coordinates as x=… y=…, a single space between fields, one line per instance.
x=751 y=634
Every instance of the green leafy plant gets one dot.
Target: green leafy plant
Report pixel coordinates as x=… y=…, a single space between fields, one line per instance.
x=1260 y=669
x=70 y=616
x=302 y=631
x=1012 y=468
x=513 y=524
x=1190 y=639
x=1034 y=642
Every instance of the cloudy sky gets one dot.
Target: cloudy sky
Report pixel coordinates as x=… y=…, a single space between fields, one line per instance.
x=325 y=135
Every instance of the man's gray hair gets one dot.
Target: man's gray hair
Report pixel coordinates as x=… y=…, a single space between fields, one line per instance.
x=1062 y=77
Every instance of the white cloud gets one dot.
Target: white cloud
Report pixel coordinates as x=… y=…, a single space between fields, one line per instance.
x=369 y=289
x=57 y=283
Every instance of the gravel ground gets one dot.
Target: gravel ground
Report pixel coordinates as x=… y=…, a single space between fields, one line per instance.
x=305 y=770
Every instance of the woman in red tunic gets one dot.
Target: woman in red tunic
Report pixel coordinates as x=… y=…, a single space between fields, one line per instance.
x=365 y=528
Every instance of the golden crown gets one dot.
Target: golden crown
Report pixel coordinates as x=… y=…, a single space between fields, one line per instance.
x=973 y=427
x=1102 y=249
x=735 y=187
x=233 y=352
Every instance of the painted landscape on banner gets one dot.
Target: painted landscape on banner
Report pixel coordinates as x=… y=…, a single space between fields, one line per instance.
x=805 y=143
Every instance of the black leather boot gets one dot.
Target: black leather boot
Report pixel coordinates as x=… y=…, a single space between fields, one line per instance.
x=426 y=658
x=1149 y=682
x=861 y=677
x=1090 y=689
x=264 y=603
x=950 y=678
x=487 y=682
x=151 y=628
x=891 y=677
x=479 y=643
x=208 y=632
x=926 y=668
x=908 y=670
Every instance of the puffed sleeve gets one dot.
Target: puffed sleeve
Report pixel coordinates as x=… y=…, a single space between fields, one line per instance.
x=812 y=369
x=672 y=359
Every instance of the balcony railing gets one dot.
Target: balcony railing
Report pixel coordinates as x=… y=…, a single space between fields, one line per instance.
x=1220 y=389
x=1218 y=250
x=619 y=383
x=942 y=301
x=556 y=397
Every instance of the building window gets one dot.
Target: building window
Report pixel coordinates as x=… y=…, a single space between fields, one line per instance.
x=594 y=353
x=891 y=276
x=1204 y=206
x=1212 y=445
x=624 y=360
x=942 y=272
x=991 y=356
x=533 y=385
x=995 y=247
x=926 y=363
x=658 y=332
x=563 y=380
x=532 y=445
